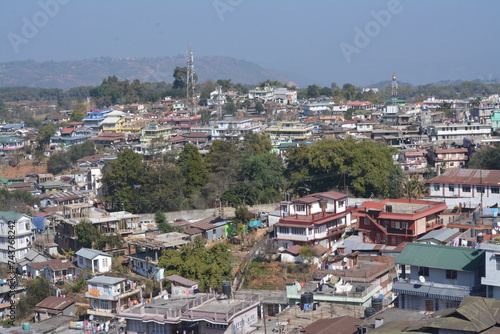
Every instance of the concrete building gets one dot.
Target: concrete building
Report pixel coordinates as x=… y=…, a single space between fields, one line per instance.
x=193 y=313
x=394 y=221
x=16 y=236
x=319 y=218
x=93 y=260
x=436 y=277
x=111 y=295
x=492 y=270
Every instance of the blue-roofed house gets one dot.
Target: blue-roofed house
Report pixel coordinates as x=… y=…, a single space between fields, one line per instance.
x=94 y=260
x=437 y=277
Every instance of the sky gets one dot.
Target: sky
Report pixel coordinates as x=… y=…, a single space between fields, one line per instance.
x=313 y=42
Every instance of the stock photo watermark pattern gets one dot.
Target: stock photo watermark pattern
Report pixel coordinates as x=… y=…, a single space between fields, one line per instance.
x=223 y=6
x=363 y=37
x=31 y=25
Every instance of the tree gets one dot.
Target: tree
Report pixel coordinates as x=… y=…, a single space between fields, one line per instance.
x=162 y=223
x=349 y=91
x=225 y=84
x=230 y=108
x=207 y=266
x=86 y=233
x=36 y=291
x=414 y=188
x=313 y=91
x=78 y=113
x=58 y=163
x=362 y=166
x=264 y=173
x=44 y=134
x=193 y=169
x=180 y=77
x=122 y=179
x=486 y=158
x=259 y=107
x=255 y=143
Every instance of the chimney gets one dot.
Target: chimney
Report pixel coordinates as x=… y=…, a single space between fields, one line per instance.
x=379 y=322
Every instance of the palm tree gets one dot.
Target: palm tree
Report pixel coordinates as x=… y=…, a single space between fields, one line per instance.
x=414 y=188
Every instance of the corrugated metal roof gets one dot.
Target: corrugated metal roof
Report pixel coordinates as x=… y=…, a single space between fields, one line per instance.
x=440 y=235
x=55 y=303
x=340 y=325
x=88 y=253
x=181 y=280
x=10 y=215
x=442 y=257
x=468 y=176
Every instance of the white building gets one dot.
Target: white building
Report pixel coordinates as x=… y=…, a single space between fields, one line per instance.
x=459 y=131
x=16 y=236
x=94 y=260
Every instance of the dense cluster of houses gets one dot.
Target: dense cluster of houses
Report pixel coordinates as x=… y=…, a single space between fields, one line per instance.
x=437 y=255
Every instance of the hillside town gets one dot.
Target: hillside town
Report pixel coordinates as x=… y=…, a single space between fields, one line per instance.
x=256 y=210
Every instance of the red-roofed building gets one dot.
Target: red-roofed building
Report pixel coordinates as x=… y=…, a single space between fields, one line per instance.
x=319 y=218
x=394 y=221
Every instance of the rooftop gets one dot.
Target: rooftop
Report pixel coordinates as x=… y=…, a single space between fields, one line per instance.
x=442 y=257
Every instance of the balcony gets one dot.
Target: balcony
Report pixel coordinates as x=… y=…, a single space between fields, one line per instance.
x=399 y=231
x=107 y=313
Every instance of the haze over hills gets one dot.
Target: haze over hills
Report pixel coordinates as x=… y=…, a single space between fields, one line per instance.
x=91 y=72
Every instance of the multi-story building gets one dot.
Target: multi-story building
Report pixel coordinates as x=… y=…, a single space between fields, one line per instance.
x=11 y=144
x=293 y=130
x=435 y=277
x=111 y=295
x=467 y=185
x=16 y=236
x=448 y=157
x=193 y=313
x=412 y=160
x=319 y=218
x=94 y=118
x=456 y=132
x=492 y=270
x=394 y=221
x=352 y=279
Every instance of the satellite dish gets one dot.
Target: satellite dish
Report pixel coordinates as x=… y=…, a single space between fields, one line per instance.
x=345 y=260
x=91 y=317
x=421 y=279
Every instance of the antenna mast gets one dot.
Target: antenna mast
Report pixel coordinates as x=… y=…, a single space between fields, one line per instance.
x=190 y=82
x=394 y=88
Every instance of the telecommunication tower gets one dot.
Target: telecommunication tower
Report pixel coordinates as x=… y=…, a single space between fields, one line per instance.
x=190 y=82
x=394 y=88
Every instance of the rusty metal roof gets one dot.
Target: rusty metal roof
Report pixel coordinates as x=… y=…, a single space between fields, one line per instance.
x=340 y=325
x=55 y=303
x=468 y=176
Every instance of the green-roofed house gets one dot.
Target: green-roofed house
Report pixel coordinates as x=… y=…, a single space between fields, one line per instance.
x=11 y=144
x=20 y=226
x=436 y=277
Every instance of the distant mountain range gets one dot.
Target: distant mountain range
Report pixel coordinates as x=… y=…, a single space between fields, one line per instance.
x=91 y=72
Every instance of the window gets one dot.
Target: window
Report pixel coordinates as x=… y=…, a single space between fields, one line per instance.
x=297 y=230
x=480 y=189
x=216 y=326
x=105 y=262
x=341 y=204
x=495 y=190
x=423 y=271
x=497 y=259
x=436 y=187
x=451 y=274
x=367 y=222
x=404 y=225
x=300 y=207
x=451 y=187
x=466 y=189
x=239 y=324
x=395 y=224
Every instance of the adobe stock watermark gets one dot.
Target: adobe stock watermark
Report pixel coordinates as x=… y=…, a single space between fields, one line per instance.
x=223 y=6
x=363 y=37
x=31 y=26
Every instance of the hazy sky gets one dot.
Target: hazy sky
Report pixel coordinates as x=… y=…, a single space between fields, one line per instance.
x=321 y=41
